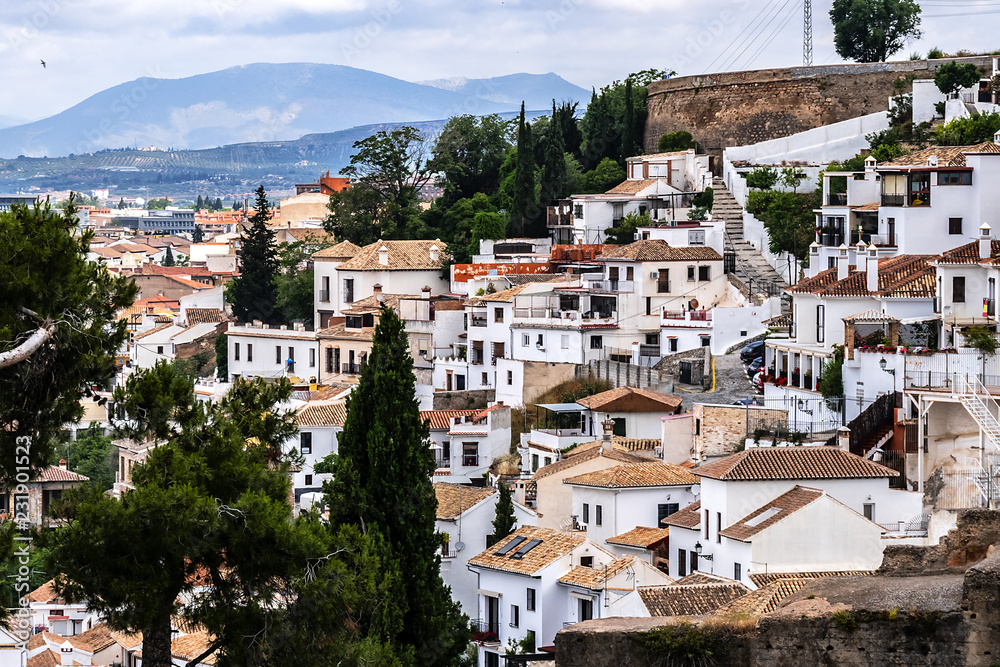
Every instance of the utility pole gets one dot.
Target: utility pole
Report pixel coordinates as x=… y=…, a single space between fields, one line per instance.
x=807 y=33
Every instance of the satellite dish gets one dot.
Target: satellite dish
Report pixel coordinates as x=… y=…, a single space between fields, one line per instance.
x=459 y=546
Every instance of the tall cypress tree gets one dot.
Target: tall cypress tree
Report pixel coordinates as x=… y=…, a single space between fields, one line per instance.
x=382 y=483
x=504 y=521
x=629 y=134
x=168 y=258
x=554 y=168
x=199 y=204
x=523 y=204
x=254 y=294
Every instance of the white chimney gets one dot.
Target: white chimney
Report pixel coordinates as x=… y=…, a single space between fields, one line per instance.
x=932 y=161
x=606 y=444
x=870 y=164
x=383 y=256
x=435 y=253
x=872 y=268
x=425 y=292
x=377 y=291
x=985 y=243
x=842 y=260
x=62 y=463
x=861 y=255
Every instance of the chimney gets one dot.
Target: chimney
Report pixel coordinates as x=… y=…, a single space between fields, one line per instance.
x=383 y=256
x=62 y=463
x=842 y=262
x=435 y=253
x=844 y=438
x=861 y=254
x=872 y=268
x=257 y=323
x=377 y=291
x=608 y=425
x=870 y=164
x=985 y=243
x=425 y=292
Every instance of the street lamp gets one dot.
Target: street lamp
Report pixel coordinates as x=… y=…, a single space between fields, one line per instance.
x=698 y=549
x=882 y=364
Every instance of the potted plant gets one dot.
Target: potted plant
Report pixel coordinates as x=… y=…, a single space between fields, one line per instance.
x=807 y=379
x=827 y=235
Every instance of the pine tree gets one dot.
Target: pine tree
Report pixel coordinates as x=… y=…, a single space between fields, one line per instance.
x=504 y=522
x=523 y=196
x=121 y=203
x=254 y=294
x=382 y=483
x=554 y=167
x=628 y=136
x=168 y=258
x=200 y=204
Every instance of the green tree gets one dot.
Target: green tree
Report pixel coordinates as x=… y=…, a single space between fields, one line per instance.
x=504 y=521
x=122 y=204
x=604 y=122
x=59 y=327
x=382 y=482
x=200 y=204
x=354 y=215
x=523 y=206
x=831 y=385
x=168 y=258
x=676 y=141
x=392 y=164
x=792 y=177
x=606 y=175
x=486 y=225
x=952 y=77
x=254 y=293
x=554 y=168
x=218 y=204
x=295 y=281
x=222 y=356
x=762 y=178
x=624 y=232
x=93 y=455
x=157 y=204
x=969 y=130
x=791 y=223
x=198 y=235
x=569 y=127
x=629 y=139
x=468 y=155
x=870 y=31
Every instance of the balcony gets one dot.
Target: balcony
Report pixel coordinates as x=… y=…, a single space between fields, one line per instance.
x=485 y=632
x=479 y=320
x=448 y=551
x=442 y=463
x=324 y=295
x=698 y=317
x=612 y=285
x=893 y=200
x=837 y=199
x=350 y=369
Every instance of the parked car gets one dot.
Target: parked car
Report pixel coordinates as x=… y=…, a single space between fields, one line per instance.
x=755 y=366
x=751 y=351
x=749 y=400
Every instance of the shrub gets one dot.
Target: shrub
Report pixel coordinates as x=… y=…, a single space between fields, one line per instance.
x=758 y=201
x=677 y=141
x=762 y=178
x=935 y=54
x=705 y=199
x=845 y=620
x=968 y=131
x=683 y=644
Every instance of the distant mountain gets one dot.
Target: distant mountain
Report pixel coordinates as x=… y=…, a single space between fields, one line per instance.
x=11 y=121
x=264 y=102
x=536 y=90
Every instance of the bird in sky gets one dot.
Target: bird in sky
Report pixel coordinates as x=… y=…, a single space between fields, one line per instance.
x=43 y=64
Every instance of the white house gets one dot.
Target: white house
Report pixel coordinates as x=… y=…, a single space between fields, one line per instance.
x=320 y=423
x=52 y=613
x=259 y=350
x=465 y=518
x=465 y=442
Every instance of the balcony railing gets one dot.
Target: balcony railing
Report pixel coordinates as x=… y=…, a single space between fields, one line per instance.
x=612 y=285
x=470 y=460
x=688 y=315
x=324 y=295
x=479 y=321
x=837 y=199
x=350 y=369
x=893 y=200
x=448 y=551
x=477 y=358
x=442 y=462
x=486 y=632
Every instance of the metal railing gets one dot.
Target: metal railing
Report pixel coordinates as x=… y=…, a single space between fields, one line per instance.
x=479 y=321
x=837 y=199
x=470 y=461
x=485 y=631
x=351 y=369
x=324 y=295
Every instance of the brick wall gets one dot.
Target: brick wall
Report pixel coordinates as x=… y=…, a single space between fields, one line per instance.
x=723 y=427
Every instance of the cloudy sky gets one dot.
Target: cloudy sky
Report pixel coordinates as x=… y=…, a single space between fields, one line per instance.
x=90 y=45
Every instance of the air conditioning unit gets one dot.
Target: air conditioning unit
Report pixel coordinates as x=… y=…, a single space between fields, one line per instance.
x=653 y=275
x=635 y=237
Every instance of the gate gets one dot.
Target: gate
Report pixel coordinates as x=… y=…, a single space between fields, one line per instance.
x=729 y=262
x=685 y=372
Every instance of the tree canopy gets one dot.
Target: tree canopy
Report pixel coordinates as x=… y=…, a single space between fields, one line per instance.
x=254 y=293
x=952 y=77
x=870 y=31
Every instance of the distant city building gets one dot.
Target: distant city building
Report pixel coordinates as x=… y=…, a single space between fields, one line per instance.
x=6 y=201
x=161 y=222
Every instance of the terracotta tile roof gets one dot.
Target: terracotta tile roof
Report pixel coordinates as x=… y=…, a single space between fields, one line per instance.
x=554 y=545
x=640 y=536
x=126 y=639
x=182 y=271
x=595 y=578
x=343 y=250
x=442 y=419
x=967 y=254
x=96 y=639
x=631 y=399
x=814 y=462
x=322 y=414
x=106 y=252
x=57 y=474
x=47 y=658
x=761 y=579
x=693 y=600
x=588 y=455
x=635 y=475
x=871 y=206
x=763 y=600
x=311 y=234
x=150 y=332
x=903 y=276
x=341 y=331
x=619 y=443
x=191 y=646
x=193 y=284
x=204 y=315
x=947 y=156
x=506 y=296
x=870 y=316
x=403 y=255
x=657 y=250
x=44 y=593
x=526 y=278
x=631 y=187
x=374 y=303
x=686 y=517
x=697 y=578
x=454 y=499
x=771 y=513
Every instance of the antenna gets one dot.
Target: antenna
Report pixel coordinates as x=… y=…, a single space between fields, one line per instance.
x=807 y=33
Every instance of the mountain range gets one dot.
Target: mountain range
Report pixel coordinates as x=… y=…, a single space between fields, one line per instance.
x=265 y=102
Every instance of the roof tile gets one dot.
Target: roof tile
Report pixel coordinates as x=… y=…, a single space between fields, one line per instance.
x=595 y=578
x=631 y=399
x=322 y=414
x=657 y=250
x=403 y=255
x=771 y=513
x=454 y=499
x=634 y=475
x=814 y=462
x=641 y=537
x=903 y=276
x=686 y=517
x=695 y=600
x=554 y=545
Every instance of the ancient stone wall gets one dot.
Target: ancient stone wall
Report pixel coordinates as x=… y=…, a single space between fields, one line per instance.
x=740 y=108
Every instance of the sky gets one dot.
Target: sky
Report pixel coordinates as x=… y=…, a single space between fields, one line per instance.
x=90 y=45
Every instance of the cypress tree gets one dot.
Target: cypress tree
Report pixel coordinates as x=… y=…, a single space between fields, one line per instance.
x=218 y=204
x=200 y=203
x=254 y=294
x=554 y=168
x=168 y=258
x=382 y=483
x=523 y=204
x=628 y=136
x=504 y=522
x=198 y=236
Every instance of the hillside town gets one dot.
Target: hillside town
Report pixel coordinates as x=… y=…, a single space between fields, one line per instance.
x=734 y=388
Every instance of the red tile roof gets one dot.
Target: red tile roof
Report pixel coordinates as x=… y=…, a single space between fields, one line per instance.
x=792 y=463
x=968 y=254
x=57 y=474
x=442 y=419
x=686 y=517
x=771 y=513
x=657 y=250
x=641 y=537
x=554 y=545
x=631 y=399
x=903 y=276
x=635 y=475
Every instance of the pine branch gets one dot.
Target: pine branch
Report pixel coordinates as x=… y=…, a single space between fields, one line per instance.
x=28 y=347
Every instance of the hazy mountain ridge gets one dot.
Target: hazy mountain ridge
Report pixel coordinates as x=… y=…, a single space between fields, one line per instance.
x=265 y=102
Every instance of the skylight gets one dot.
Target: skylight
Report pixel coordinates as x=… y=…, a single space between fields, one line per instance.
x=505 y=549
x=519 y=554
x=763 y=516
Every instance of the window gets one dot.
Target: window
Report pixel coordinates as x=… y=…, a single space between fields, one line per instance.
x=630 y=273
x=958 y=289
x=470 y=454
x=547 y=460
x=663 y=281
x=586 y=513
x=309 y=480
x=704 y=273
x=492 y=659
x=529 y=602
x=693 y=555
x=954 y=178
x=869 y=511
x=587 y=561
x=459 y=383
x=586 y=610
x=534 y=462
x=653 y=338
x=691 y=273
x=446 y=451
x=596 y=342
x=348 y=290
x=324 y=292
x=564 y=341
x=486 y=379
x=498 y=314
x=663 y=510
x=422 y=347
x=697 y=426
x=510 y=377
x=277 y=354
x=578 y=211
x=515 y=616
x=672 y=344
x=737 y=571
x=540 y=343
x=306 y=442
x=236 y=351
x=706 y=341
x=704 y=522
x=831 y=262
x=525 y=340
x=599 y=514
x=159 y=349
x=718 y=527
x=329 y=360
x=954 y=225
x=681 y=563
x=920 y=189
x=820 y=323
x=312 y=358
x=649 y=305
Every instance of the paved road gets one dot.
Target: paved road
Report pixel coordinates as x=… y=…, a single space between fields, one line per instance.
x=730 y=384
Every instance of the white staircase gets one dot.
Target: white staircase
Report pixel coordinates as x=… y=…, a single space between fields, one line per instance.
x=979 y=403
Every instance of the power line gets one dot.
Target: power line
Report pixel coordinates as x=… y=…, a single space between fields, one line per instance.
x=777 y=31
x=737 y=38
x=759 y=31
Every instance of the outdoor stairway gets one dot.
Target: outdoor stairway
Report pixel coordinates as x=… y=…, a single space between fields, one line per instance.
x=976 y=399
x=751 y=267
x=877 y=440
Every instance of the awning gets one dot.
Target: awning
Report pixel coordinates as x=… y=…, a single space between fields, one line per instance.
x=561 y=407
